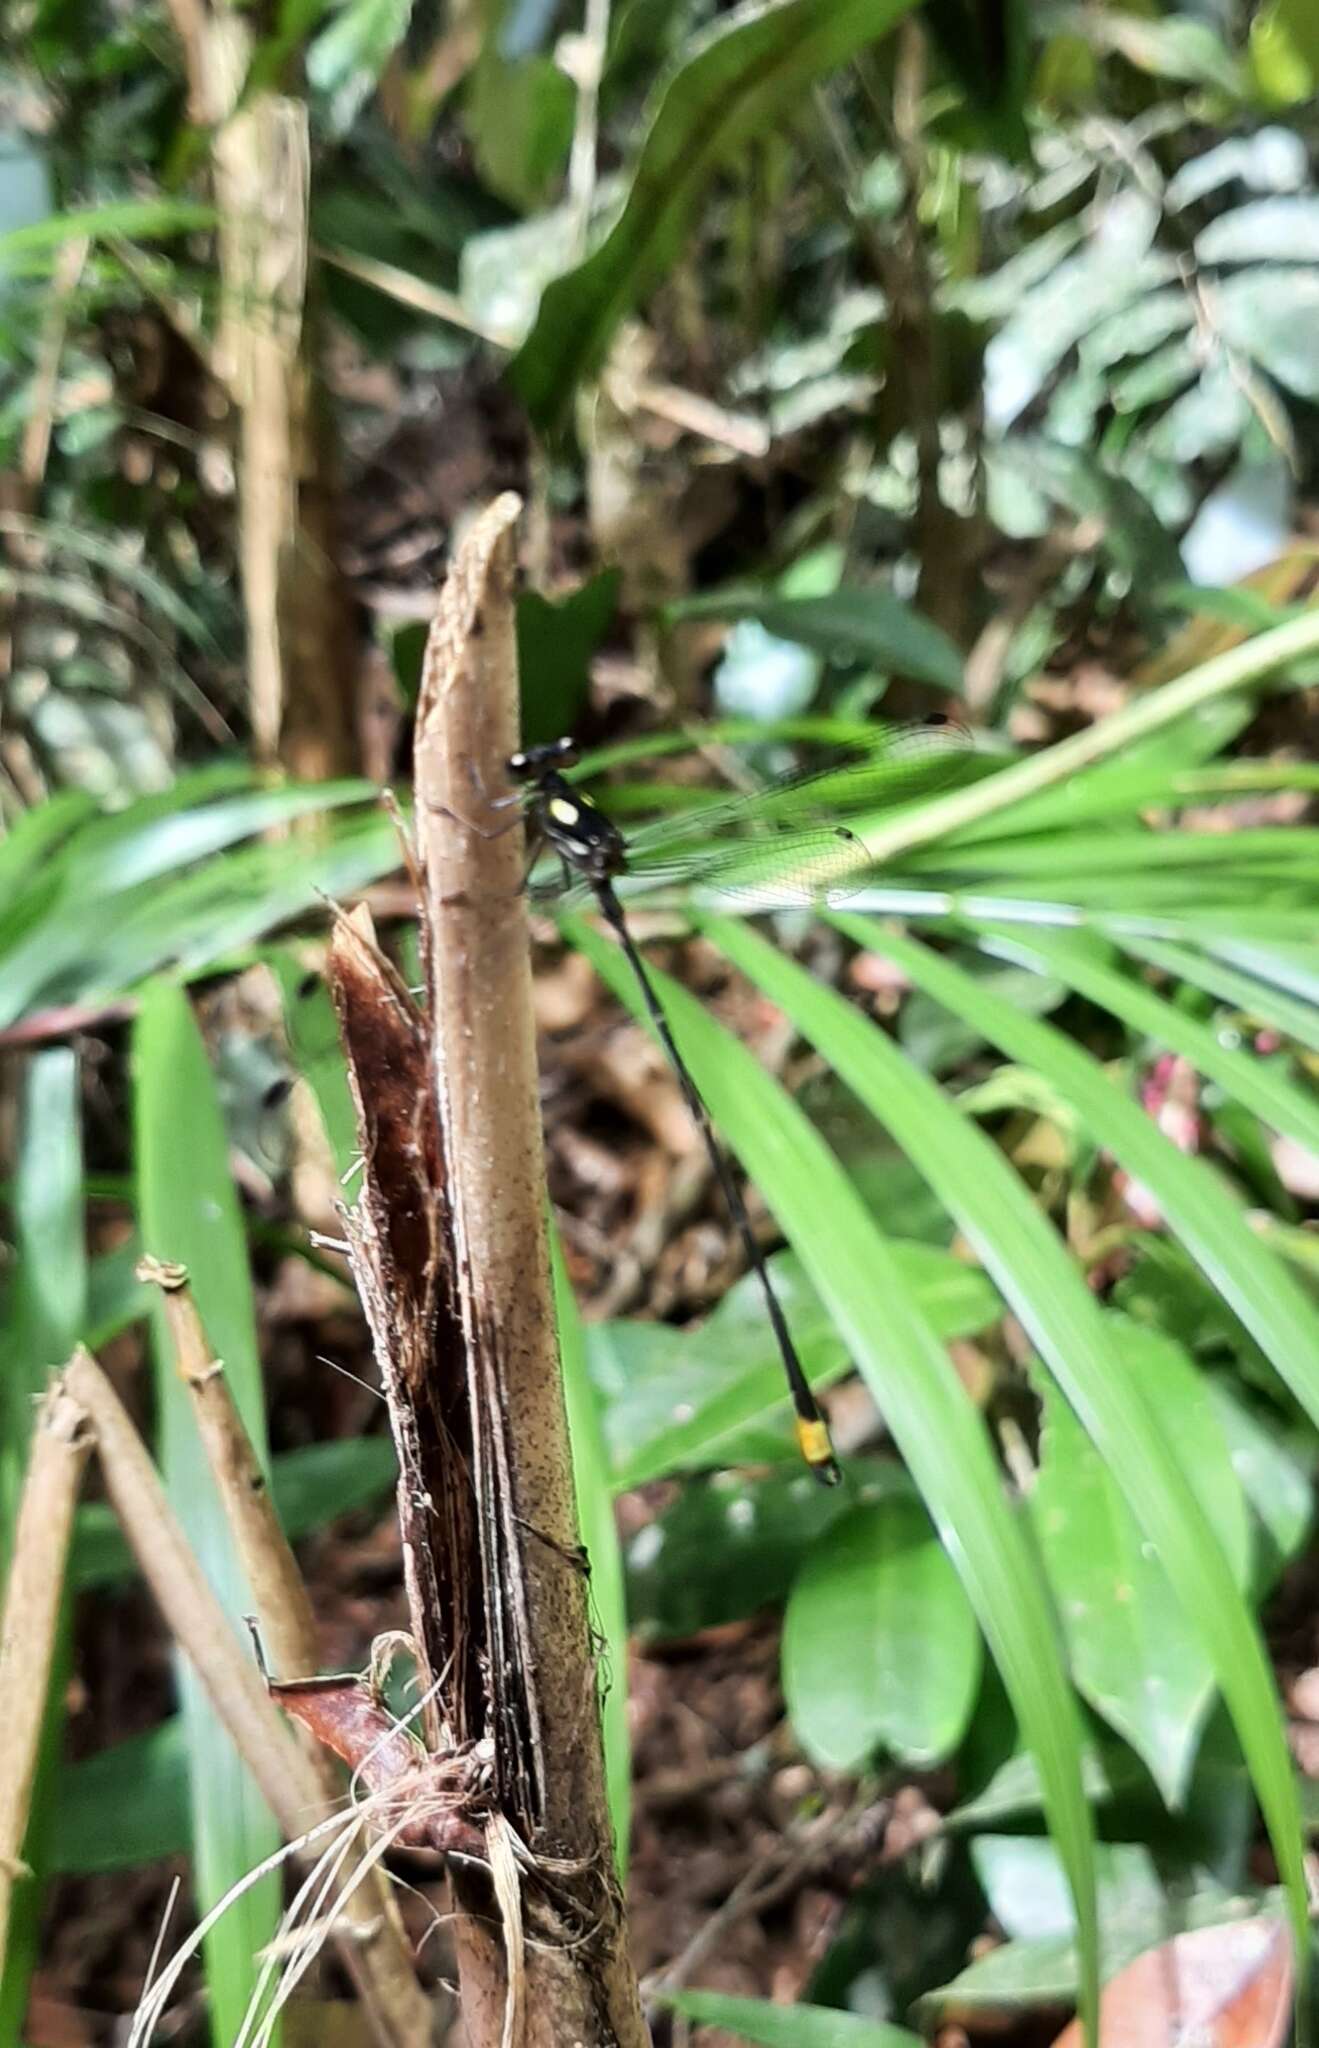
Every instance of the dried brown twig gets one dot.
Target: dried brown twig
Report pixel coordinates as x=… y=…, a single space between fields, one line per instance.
x=397 y=2006
x=449 y=1252
x=28 y=1635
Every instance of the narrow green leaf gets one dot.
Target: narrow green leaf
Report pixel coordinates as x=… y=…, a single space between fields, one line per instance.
x=189 y=1213
x=1295 y=1019
x=880 y=1583
x=136 y=219
x=915 y=1385
x=33 y=837
x=595 y=1514
x=1211 y=1223
x=998 y=1216
x=785 y=2026
x=732 y=84
x=313 y=1037
x=1076 y=959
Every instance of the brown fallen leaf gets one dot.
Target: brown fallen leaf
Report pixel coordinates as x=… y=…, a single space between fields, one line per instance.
x=1221 y=1987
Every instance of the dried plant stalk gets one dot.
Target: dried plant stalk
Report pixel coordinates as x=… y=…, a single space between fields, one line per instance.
x=287 y=1779
x=398 y=2008
x=449 y=1250
x=60 y=1444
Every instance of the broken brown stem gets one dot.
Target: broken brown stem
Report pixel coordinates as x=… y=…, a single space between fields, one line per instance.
x=450 y=1253
x=287 y=1780
x=31 y=1618
x=399 y=2009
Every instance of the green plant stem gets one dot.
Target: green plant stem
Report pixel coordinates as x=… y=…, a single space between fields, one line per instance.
x=1248 y=663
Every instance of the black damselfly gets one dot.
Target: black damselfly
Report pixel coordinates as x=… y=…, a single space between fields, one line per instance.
x=772 y=845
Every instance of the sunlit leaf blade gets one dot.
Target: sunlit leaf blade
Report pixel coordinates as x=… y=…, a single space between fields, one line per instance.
x=1080 y=962
x=880 y=1583
x=595 y=1514
x=189 y=1214
x=96 y=947
x=30 y=840
x=732 y=84
x=1209 y=1220
x=996 y=1213
x=912 y=1378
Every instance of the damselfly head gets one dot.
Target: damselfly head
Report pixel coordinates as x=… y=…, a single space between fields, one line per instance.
x=529 y=762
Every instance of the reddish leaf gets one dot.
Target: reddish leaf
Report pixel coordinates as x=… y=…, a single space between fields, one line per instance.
x=1221 y=1987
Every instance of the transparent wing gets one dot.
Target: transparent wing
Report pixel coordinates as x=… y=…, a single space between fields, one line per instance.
x=904 y=762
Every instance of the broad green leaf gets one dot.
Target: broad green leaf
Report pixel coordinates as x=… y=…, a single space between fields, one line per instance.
x=730 y=1545
x=595 y=1514
x=310 y=1486
x=785 y=2026
x=556 y=640
x=1043 y=1972
x=997 y=1215
x=126 y=1805
x=1136 y=1654
x=676 y=1401
x=1011 y=1796
x=851 y=624
x=880 y=1646
x=189 y=1213
x=734 y=82
x=912 y=1378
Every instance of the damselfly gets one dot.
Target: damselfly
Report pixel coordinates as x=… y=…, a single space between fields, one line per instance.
x=784 y=843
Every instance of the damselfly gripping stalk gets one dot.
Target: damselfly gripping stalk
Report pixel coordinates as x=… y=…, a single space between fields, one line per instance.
x=771 y=854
